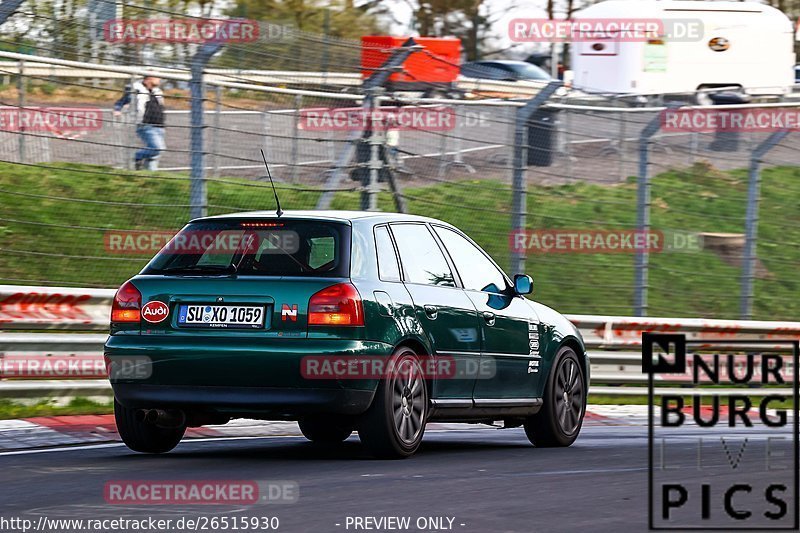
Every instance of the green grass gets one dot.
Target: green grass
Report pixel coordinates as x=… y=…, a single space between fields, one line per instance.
x=47 y=239
x=77 y=406
x=10 y=410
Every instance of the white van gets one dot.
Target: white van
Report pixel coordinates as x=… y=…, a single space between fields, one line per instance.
x=742 y=44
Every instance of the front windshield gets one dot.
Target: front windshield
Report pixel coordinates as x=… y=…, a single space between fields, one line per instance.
x=529 y=72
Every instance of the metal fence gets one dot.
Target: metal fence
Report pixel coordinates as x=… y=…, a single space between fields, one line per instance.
x=54 y=330
x=515 y=167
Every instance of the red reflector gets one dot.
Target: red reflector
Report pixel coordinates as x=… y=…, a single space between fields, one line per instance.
x=125 y=315
x=337 y=305
x=127 y=304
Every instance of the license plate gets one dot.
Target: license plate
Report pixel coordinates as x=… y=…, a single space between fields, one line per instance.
x=221 y=316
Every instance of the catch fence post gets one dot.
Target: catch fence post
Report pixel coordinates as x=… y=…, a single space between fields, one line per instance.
x=216 y=133
x=8 y=8
x=198 y=193
x=298 y=102
x=750 y=256
x=622 y=132
x=369 y=200
x=519 y=166
x=21 y=91
x=642 y=261
x=130 y=127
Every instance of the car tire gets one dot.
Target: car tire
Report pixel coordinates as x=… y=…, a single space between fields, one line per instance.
x=325 y=431
x=143 y=437
x=393 y=426
x=559 y=421
x=437 y=92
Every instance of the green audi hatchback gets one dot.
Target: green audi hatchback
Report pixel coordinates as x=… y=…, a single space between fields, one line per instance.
x=343 y=321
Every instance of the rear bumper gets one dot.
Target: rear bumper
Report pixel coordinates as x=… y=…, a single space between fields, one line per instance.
x=277 y=402
x=239 y=375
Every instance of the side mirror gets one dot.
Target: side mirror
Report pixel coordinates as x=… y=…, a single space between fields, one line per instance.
x=523 y=284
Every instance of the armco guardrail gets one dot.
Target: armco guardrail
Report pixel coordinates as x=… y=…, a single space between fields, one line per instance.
x=34 y=308
x=615 y=333
x=52 y=68
x=612 y=342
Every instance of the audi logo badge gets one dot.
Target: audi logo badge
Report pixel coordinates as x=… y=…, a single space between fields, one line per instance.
x=719 y=44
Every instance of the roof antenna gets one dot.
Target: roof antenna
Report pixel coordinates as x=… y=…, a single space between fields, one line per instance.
x=278 y=211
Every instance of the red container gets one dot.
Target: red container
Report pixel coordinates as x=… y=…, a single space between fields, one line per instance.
x=438 y=63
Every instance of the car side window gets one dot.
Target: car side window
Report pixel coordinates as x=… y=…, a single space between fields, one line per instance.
x=477 y=272
x=388 y=269
x=491 y=71
x=422 y=259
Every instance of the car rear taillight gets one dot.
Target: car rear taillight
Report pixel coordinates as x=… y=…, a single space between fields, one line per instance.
x=337 y=305
x=127 y=304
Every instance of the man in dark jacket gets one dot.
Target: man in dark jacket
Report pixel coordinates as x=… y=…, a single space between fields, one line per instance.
x=149 y=103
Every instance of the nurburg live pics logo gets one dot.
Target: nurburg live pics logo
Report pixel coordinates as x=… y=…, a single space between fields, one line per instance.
x=723 y=454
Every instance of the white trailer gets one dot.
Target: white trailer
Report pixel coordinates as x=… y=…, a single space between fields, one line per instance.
x=704 y=45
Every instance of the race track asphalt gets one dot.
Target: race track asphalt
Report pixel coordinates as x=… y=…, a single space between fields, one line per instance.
x=484 y=479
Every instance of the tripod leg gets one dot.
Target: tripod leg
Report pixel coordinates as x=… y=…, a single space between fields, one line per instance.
x=399 y=200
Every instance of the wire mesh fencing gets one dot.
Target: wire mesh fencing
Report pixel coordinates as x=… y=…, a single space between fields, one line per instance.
x=617 y=219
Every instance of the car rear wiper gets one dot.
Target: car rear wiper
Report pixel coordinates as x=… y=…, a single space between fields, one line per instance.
x=226 y=269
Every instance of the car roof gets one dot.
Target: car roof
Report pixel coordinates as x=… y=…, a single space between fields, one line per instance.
x=330 y=215
x=498 y=61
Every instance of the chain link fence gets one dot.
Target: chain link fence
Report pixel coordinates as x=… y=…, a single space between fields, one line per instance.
x=593 y=174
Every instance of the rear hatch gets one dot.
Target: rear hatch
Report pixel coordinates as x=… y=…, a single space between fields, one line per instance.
x=242 y=278
x=226 y=293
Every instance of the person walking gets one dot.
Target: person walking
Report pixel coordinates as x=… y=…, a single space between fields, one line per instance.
x=149 y=101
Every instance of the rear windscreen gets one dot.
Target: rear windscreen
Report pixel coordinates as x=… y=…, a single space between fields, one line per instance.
x=257 y=248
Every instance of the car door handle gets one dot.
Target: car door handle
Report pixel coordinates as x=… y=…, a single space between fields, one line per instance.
x=431 y=311
x=489 y=318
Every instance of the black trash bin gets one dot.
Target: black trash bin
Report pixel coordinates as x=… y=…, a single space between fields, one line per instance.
x=726 y=141
x=541 y=137
x=361 y=172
